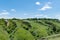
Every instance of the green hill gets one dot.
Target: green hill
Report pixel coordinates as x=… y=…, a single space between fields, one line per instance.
x=28 y=29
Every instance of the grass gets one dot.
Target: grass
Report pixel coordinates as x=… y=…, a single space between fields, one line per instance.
x=57 y=38
x=29 y=29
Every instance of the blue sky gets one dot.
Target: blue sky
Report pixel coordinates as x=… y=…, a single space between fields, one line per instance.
x=30 y=9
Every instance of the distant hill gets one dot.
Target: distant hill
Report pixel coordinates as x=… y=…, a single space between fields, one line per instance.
x=28 y=29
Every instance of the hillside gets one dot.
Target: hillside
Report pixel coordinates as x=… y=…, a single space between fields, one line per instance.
x=28 y=29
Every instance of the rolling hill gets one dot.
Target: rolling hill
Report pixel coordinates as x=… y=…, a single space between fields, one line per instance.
x=28 y=29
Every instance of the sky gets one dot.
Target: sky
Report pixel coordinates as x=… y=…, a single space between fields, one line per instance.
x=30 y=9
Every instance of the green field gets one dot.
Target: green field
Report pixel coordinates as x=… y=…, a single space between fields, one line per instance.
x=29 y=29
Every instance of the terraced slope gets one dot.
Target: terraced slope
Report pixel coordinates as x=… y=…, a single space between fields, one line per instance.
x=28 y=29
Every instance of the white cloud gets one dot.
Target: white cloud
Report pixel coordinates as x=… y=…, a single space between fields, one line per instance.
x=42 y=16
x=6 y=17
x=46 y=6
x=57 y=16
x=49 y=3
x=37 y=15
x=4 y=12
x=13 y=10
x=25 y=14
x=37 y=3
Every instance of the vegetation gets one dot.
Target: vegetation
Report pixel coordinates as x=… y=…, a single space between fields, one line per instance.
x=28 y=29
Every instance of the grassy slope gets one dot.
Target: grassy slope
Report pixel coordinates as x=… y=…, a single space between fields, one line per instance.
x=57 y=38
x=29 y=29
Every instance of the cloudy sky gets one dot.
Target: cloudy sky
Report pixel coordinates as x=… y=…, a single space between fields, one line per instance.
x=30 y=9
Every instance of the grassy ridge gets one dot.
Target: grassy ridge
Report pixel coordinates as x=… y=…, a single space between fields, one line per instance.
x=28 y=29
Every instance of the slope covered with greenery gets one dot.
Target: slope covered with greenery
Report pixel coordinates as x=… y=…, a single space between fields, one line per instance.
x=28 y=29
